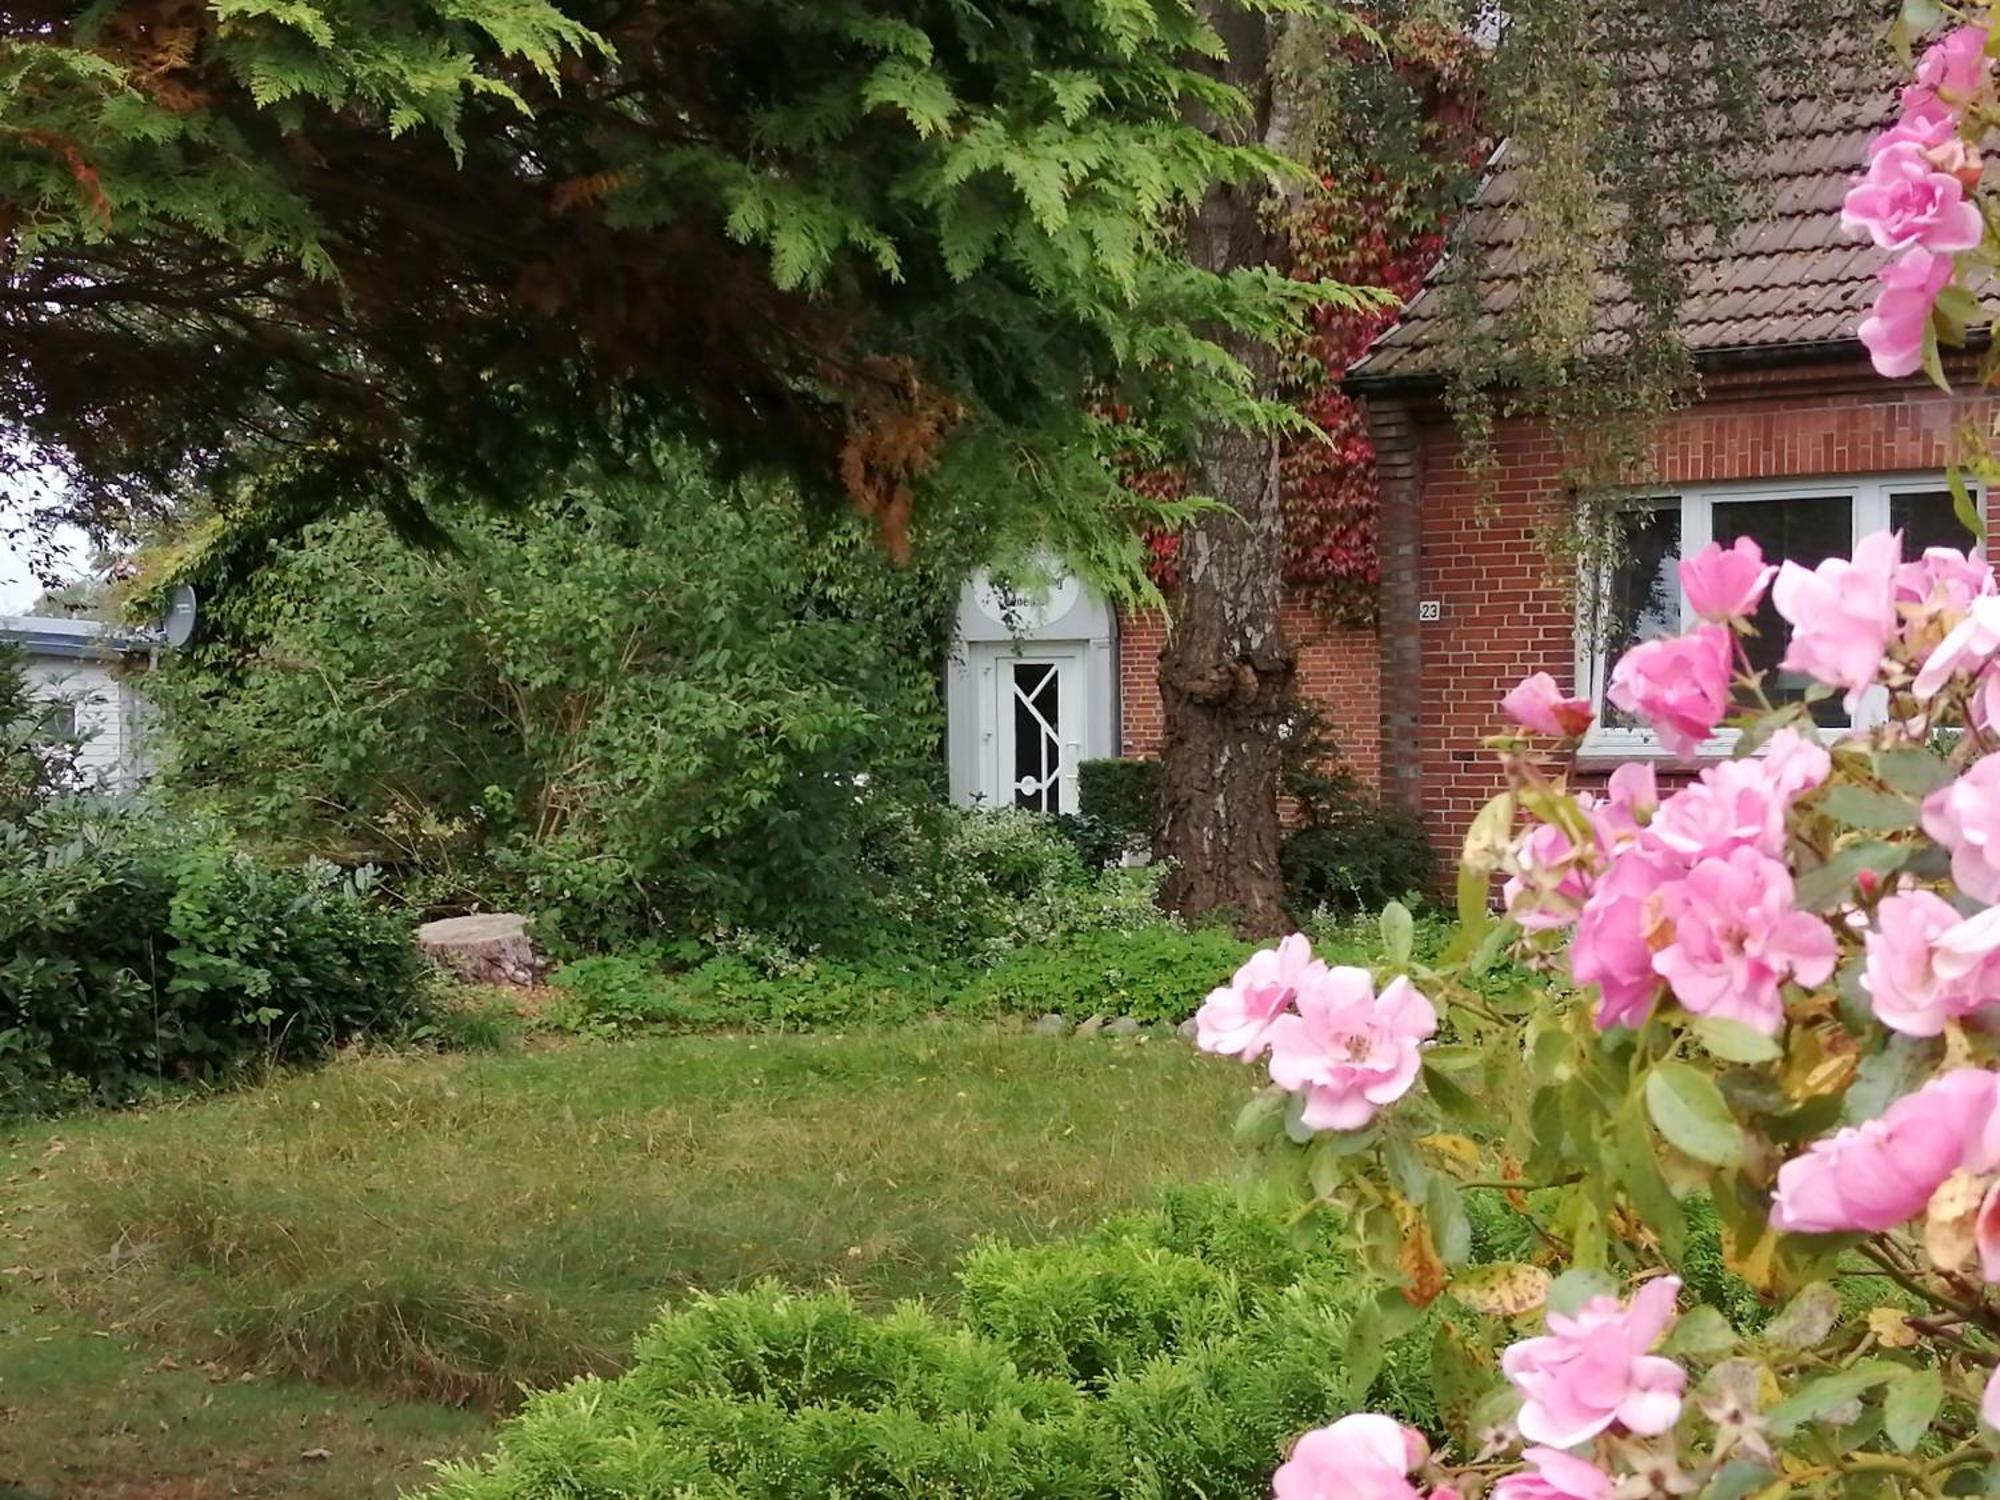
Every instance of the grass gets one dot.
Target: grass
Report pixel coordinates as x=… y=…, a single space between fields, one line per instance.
x=368 y=1261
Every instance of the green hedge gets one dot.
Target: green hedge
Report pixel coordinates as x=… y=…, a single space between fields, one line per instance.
x=1168 y=1354
x=134 y=952
x=1123 y=794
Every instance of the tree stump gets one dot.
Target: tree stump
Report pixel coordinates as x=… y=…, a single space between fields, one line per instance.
x=487 y=948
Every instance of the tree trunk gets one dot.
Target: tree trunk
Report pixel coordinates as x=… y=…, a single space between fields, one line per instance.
x=1226 y=671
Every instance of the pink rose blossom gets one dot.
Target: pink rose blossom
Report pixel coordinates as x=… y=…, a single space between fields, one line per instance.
x=1904 y=201
x=1893 y=333
x=1986 y=1234
x=1557 y=1476
x=1537 y=704
x=1737 y=938
x=1842 y=614
x=1631 y=798
x=1875 y=1176
x=1680 y=685
x=1989 y=1400
x=1350 y=1050
x=1743 y=802
x=1912 y=986
x=1234 y=1021
x=1950 y=71
x=1550 y=881
x=1613 y=946
x=1965 y=818
x=1365 y=1456
x=1929 y=125
x=1593 y=1369
x=1723 y=585
x=1957 y=158
x=1966 y=648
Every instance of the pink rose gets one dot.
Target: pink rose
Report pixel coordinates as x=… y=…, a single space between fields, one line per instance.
x=1950 y=71
x=1894 y=332
x=1365 y=1456
x=1726 y=585
x=1550 y=881
x=1613 y=946
x=1928 y=125
x=1986 y=1234
x=1743 y=802
x=1989 y=1400
x=1537 y=704
x=1926 y=965
x=1631 y=798
x=1350 y=1050
x=1680 y=686
x=1737 y=938
x=1234 y=1020
x=1965 y=818
x=1967 y=647
x=1904 y=201
x=1558 y=1476
x=1842 y=614
x=1593 y=1370
x=1877 y=1175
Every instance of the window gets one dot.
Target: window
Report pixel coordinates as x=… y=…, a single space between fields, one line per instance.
x=1639 y=598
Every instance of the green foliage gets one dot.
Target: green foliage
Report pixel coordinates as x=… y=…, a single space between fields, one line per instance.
x=1350 y=851
x=644 y=707
x=137 y=951
x=382 y=252
x=34 y=765
x=1156 y=974
x=1124 y=793
x=1173 y=1353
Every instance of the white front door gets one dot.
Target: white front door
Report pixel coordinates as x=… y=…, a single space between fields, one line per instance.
x=1038 y=718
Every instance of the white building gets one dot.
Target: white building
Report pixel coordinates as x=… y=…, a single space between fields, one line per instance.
x=87 y=672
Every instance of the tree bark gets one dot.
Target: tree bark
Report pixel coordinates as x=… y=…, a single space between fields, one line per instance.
x=1226 y=670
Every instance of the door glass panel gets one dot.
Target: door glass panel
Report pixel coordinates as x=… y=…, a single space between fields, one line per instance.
x=1806 y=531
x=1926 y=519
x=1642 y=601
x=1037 y=705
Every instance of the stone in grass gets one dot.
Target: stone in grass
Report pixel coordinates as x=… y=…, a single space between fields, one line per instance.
x=487 y=948
x=1124 y=1026
x=1091 y=1027
x=1052 y=1024
x=1188 y=1029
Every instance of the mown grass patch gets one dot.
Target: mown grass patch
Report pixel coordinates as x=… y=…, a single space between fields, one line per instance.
x=447 y=1229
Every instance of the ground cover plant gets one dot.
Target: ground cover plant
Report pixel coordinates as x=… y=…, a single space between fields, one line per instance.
x=418 y=1233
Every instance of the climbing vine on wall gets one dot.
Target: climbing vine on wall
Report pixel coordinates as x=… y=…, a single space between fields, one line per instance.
x=1394 y=137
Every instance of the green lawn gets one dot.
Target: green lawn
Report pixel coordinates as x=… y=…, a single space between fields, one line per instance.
x=310 y=1288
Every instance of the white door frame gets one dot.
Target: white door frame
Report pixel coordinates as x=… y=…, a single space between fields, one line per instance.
x=1066 y=734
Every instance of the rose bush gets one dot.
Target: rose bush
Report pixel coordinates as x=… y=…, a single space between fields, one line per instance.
x=1775 y=988
x=1774 y=996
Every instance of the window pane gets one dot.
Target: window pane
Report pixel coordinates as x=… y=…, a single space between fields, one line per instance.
x=1643 y=599
x=1037 y=736
x=1926 y=519
x=1804 y=531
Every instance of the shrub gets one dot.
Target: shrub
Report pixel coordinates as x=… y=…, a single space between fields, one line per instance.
x=1349 y=852
x=1157 y=973
x=1122 y=793
x=643 y=705
x=136 y=952
x=1173 y=1353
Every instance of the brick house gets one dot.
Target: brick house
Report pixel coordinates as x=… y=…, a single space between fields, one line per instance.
x=1795 y=441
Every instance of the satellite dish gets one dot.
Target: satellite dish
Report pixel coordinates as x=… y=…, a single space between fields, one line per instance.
x=179 y=628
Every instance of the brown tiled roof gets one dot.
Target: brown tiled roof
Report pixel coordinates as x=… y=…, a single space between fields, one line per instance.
x=1788 y=276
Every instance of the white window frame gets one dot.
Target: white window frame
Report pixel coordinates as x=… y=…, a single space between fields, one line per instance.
x=1869 y=496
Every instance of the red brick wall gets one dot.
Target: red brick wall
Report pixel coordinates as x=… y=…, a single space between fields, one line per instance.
x=1504 y=615
x=1337 y=672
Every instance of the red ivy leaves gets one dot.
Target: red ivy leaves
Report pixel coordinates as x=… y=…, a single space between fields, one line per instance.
x=1379 y=225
